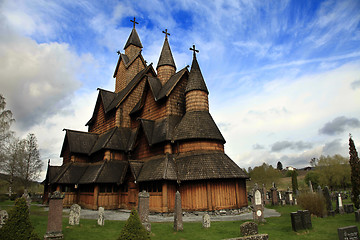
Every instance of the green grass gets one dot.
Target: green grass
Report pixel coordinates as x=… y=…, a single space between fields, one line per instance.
x=277 y=227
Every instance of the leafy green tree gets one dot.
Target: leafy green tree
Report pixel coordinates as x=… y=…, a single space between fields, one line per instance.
x=18 y=226
x=6 y=120
x=133 y=229
x=334 y=172
x=312 y=176
x=355 y=173
x=294 y=182
x=279 y=166
x=264 y=174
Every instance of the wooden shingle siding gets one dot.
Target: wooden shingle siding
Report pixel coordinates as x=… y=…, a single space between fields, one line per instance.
x=197 y=101
x=70 y=198
x=143 y=150
x=199 y=145
x=152 y=110
x=108 y=200
x=102 y=122
x=164 y=73
x=175 y=104
x=66 y=154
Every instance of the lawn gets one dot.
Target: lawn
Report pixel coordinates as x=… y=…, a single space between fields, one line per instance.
x=277 y=227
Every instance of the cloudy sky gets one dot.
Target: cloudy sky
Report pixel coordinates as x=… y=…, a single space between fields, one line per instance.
x=283 y=76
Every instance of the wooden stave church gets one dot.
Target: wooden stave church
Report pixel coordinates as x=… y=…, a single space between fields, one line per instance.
x=153 y=133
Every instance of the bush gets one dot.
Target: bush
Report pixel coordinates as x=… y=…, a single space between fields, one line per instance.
x=18 y=226
x=133 y=229
x=313 y=202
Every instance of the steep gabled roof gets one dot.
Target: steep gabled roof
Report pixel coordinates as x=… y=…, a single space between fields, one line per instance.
x=79 y=142
x=207 y=165
x=166 y=57
x=106 y=98
x=197 y=125
x=127 y=62
x=162 y=168
x=135 y=167
x=196 y=79
x=171 y=83
x=133 y=39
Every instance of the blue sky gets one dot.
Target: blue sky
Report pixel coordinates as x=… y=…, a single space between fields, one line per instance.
x=283 y=76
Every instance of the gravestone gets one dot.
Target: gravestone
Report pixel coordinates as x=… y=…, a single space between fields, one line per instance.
x=206 y=221
x=144 y=205
x=274 y=195
x=27 y=198
x=101 y=216
x=264 y=193
x=357 y=215
x=178 y=222
x=339 y=204
x=319 y=190
x=296 y=222
x=74 y=216
x=248 y=229
x=3 y=217
x=310 y=187
x=348 y=233
x=289 y=197
x=54 y=226
x=349 y=208
x=301 y=220
x=258 y=206
x=327 y=197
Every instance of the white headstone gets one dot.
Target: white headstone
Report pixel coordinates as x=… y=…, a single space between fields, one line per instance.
x=257 y=197
x=206 y=221
x=74 y=217
x=101 y=218
x=340 y=200
x=290 y=197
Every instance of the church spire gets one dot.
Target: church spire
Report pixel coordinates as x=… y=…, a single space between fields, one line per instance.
x=166 y=65
x=196 y=79
x=133 y=38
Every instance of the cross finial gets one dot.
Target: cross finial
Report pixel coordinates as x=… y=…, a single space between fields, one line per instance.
x=166 y=33
x=118 y=52
x=195 y=50
x=135 y=22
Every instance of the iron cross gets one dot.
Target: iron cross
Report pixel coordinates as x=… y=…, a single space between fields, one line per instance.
x=193 y=49
x=166 y=33
x=133 y=21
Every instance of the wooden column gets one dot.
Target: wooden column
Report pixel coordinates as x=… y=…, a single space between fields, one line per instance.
x=165 y=197
x=209 y=198
x=237 y=193
x=96 y=194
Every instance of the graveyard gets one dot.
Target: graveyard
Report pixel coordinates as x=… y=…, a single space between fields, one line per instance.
x=275 y=227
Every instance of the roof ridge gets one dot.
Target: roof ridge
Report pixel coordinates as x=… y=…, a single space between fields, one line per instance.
x=99 y=171
x=63 y=172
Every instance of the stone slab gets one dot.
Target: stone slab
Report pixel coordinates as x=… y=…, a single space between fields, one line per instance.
x=348 y=233
x=248 y=229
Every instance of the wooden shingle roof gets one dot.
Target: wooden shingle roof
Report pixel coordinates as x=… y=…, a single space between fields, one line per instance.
x=133 y=39
x=162 y=168
x=196 y=79
x=166 y=57
x=197 y=125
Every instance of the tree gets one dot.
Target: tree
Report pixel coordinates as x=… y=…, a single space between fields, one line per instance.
x=133 y=228
x=312 y=176
x=18 y=226
x=264 y=174
x=334 y=172
x=279 y=166
x=355 y=174
x=294 y=182
x=30 y=164
x=6 y=120
x=313 y=162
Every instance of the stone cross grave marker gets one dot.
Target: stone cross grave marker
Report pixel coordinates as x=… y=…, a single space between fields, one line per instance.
x=74 y=216
x=101 y=216
x=144 y=205
x=339 y=204
x=54 y=226
x=274 y=195
x=178 y=222
x=258 y=206
x=348 y=233
x=3 y=217
x=206 y=221
x=248 y=229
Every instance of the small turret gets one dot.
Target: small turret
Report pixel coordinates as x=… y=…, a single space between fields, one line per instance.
x=166 y=65
x=196 y=91
x=133 y=44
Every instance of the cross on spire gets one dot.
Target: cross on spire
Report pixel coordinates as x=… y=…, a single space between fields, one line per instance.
x=133 y=21
x=195 y=50
x=166 y=33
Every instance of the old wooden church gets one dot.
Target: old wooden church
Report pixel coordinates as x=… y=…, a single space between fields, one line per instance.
x=153 y=133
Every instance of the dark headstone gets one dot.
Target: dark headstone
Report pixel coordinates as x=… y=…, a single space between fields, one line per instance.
x=248 y=228
x=274 y=195
x=306 y=218
x=178 y=222
x=327 y=196
x=357 y=215
x=349 y=208
x=296 y=221
x=54 y=226
x=348 y=233
x=331 y=213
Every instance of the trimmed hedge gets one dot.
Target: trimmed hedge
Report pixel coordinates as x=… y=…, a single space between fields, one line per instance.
x=133 y=229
